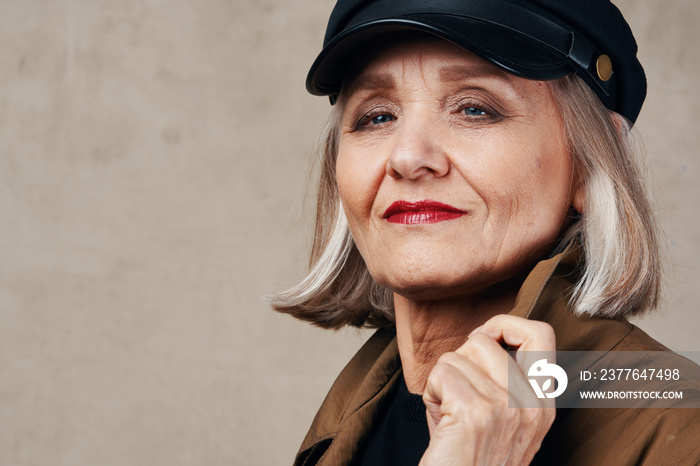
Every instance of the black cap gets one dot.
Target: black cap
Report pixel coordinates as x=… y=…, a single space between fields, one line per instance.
x=535 y=39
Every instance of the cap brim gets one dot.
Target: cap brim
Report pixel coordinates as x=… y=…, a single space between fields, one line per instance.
x=511 y=50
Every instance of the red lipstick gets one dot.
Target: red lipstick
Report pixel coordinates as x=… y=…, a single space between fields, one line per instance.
x=413 y=213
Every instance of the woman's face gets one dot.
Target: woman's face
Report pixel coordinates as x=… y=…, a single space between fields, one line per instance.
x=453 y=174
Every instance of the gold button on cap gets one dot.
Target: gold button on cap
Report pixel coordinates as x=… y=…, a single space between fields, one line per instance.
x=604 y=67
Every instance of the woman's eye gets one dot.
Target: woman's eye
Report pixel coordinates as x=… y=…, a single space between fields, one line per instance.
x=374 y=120
x=379 y=119
x=474 y=111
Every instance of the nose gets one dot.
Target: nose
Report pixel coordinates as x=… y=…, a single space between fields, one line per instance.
x=417 y=152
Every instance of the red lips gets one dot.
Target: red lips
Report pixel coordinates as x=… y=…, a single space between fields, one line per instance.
x=412 y=213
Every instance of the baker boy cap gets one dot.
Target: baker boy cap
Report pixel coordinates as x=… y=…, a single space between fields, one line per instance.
x=535 y=39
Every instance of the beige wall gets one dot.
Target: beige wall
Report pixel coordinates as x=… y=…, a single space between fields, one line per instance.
x=152 y=173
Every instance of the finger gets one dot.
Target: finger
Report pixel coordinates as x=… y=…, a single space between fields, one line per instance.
x=533 y=339
x=484 y=351
x=446 y=383
x=480 y=371
x=527 y=335
x=447 y=378
x=489 y=379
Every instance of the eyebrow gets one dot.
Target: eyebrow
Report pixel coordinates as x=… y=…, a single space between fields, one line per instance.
x=454 y=73
x=451 y=73
x=374 y=81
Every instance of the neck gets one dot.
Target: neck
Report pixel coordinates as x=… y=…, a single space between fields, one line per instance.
x=427 y=329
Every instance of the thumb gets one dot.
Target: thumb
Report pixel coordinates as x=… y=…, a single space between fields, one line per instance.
x=433 y=397
x=432 y=412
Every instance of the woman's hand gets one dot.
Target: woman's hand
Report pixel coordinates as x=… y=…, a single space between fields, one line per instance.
x=467 y=398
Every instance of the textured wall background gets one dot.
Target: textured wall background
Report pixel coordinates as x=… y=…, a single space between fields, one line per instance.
x=152 y=168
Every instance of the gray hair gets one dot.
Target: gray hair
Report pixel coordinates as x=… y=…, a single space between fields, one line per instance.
x=621 y=272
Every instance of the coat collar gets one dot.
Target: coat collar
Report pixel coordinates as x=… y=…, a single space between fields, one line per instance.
x=546 y=294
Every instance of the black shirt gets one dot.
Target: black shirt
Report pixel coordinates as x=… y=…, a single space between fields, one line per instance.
x=399 y=435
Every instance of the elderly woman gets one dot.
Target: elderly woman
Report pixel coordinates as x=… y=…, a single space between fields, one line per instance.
x=479 y=192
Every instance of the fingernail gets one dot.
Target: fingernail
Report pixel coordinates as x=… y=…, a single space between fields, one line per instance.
x=476 y=330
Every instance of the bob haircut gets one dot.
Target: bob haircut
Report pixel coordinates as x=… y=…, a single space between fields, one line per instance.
x=621 y=270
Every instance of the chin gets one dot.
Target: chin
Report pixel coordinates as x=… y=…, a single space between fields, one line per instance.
x=434 y=283
x=429 y=286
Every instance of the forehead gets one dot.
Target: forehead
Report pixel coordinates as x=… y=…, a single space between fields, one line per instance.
x=439 y=59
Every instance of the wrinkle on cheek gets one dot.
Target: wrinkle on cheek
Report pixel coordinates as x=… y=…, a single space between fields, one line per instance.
x=498 y=217
x=357 y=187
x=510 y=221
x=517 y=219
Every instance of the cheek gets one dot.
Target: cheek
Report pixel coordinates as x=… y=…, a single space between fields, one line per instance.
x=357 y=187
x=554 y=174
x=545 y=194
x=527 y=190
